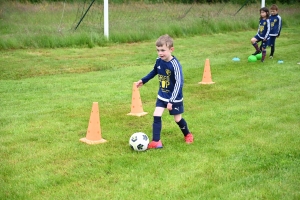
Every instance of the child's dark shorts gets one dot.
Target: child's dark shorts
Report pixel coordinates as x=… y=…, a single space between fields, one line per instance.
x=177 y=108
x=271 y=41
x=263 y=43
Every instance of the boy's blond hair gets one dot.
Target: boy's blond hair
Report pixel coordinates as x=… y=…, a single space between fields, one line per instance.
x=274 y=7
x=164 y=40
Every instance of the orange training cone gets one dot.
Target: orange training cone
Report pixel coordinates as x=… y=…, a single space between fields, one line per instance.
x=206 y=74
x=93 y=134
x=136 y=103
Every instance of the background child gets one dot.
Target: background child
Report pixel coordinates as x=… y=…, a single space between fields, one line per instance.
x=276 y=24
x=170 y=96
x=262 y=33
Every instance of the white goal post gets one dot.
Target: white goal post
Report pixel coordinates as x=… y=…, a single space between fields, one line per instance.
x=106 y=15
x=106 y=21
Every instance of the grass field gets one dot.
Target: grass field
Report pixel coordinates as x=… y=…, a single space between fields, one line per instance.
x=246 y=125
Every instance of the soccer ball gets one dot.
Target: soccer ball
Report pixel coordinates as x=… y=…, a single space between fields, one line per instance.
x=252 y=58
x=139 y=141
x=258 y=56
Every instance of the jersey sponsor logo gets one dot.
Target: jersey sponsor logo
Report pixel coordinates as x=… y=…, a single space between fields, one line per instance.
x=165 y=80
x=261 y=29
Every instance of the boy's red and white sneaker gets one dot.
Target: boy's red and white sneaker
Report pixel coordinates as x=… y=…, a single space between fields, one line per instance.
x=155 y=145
x=189 y=138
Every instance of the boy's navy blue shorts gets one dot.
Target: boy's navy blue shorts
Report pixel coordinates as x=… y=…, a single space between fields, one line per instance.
x=264 y=43
x=177 y=108
x=271 y=41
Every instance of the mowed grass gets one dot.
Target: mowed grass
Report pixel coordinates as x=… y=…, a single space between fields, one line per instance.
x=246 y=125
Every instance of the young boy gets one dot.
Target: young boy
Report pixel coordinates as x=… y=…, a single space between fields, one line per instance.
x=170 y=96
x=262 y=33
x=276 y=23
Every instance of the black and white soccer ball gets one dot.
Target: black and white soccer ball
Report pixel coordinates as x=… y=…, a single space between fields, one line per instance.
x=139 y=141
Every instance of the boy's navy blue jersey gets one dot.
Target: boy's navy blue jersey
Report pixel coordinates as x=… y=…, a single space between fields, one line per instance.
x=263 y=29
x=275 y=21
x=170 y=80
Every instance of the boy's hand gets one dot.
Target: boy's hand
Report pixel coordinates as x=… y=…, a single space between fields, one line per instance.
x=139 y=83
x=169 y=106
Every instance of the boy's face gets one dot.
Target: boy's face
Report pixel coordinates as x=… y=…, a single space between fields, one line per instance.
x=164 y=52
x=273 y=12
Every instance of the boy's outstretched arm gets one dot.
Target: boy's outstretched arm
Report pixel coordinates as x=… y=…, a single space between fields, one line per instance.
x=139 y=83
